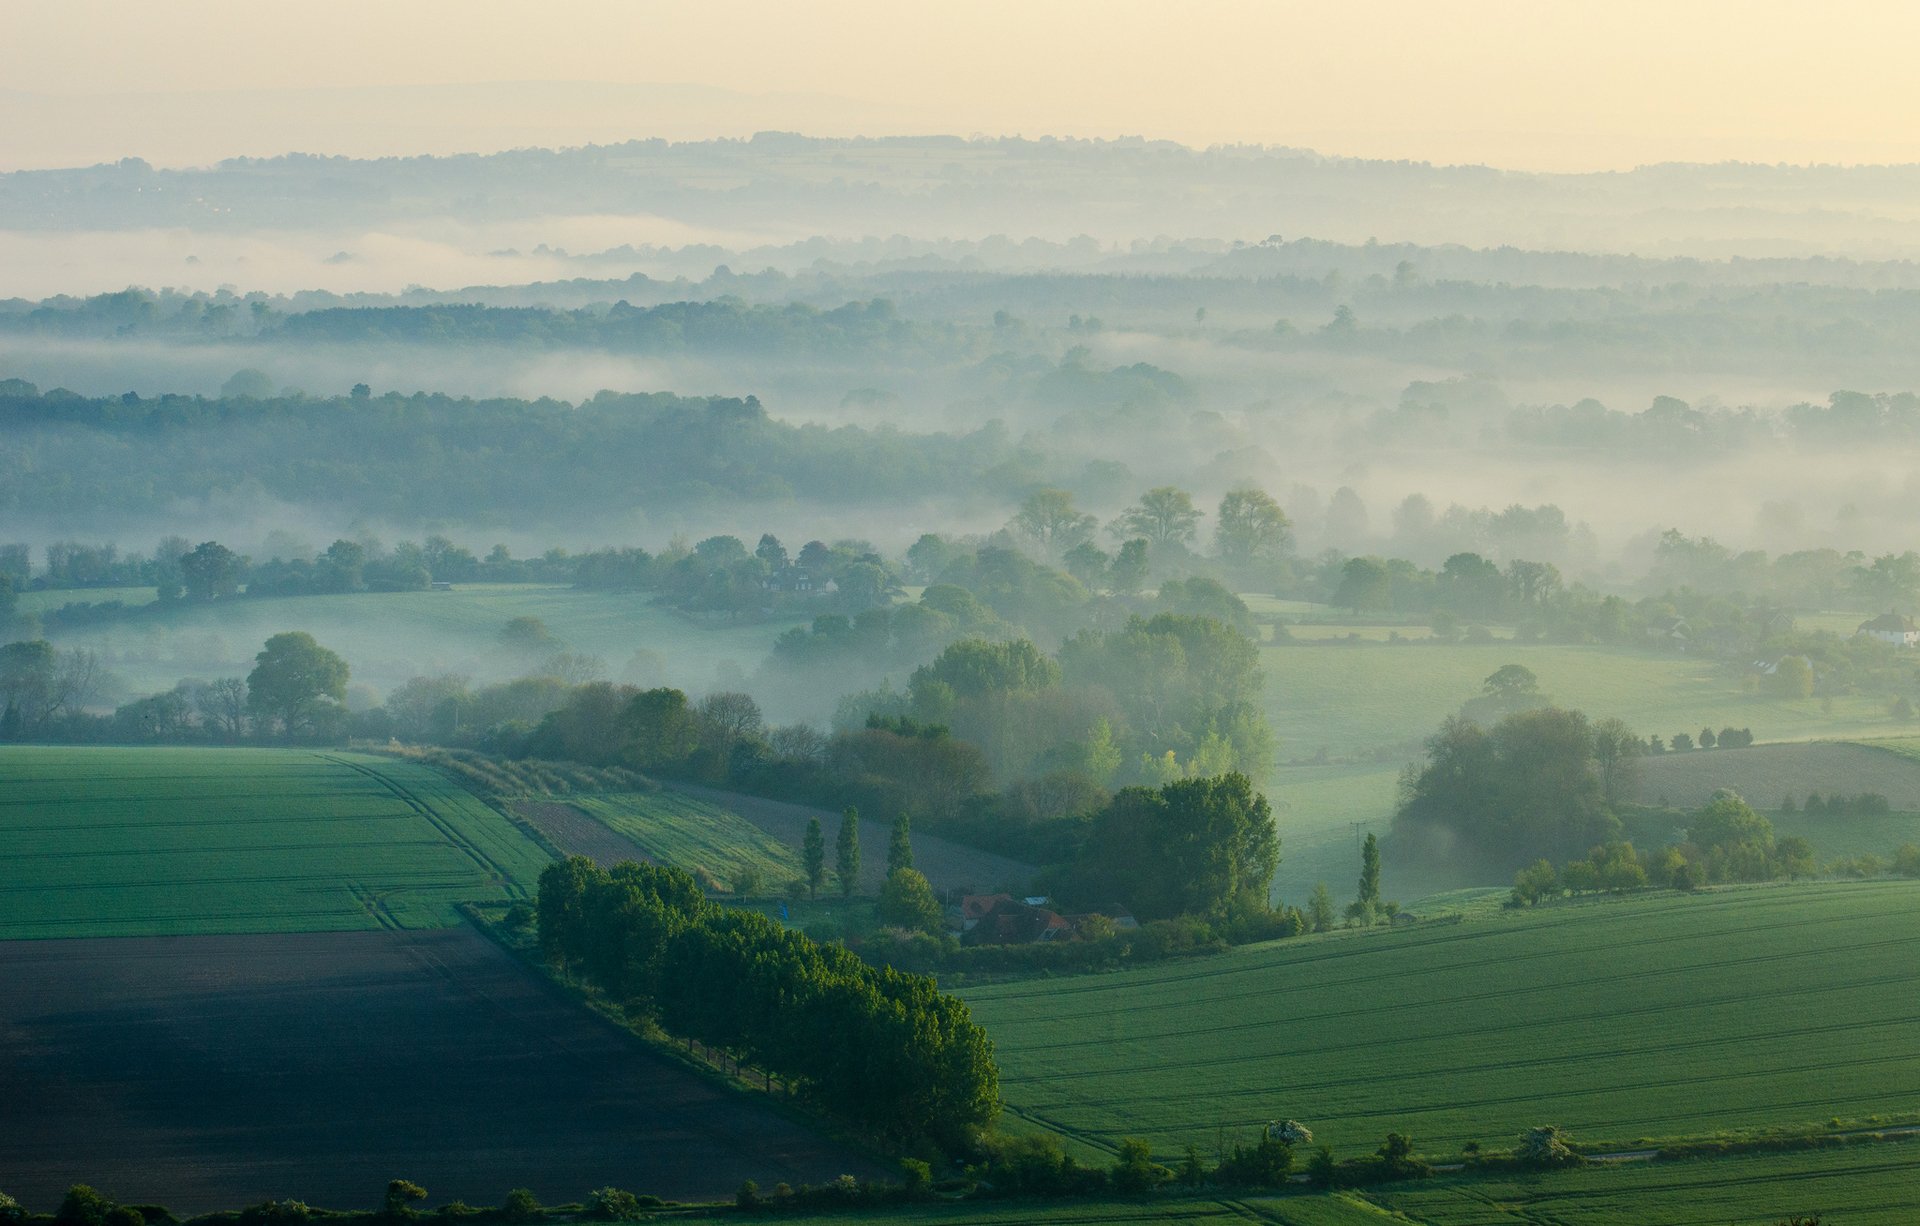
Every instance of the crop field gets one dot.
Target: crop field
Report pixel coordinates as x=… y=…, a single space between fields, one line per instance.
x=218 y=1071
x=131 y=842
x=1765 y=774
x=388 y=637
x=1856 y=1185
x=1354 y=699
x=1655 y=1016
x=947 y=865
x=695 y=835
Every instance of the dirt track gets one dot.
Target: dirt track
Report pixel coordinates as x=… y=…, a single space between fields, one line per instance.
x=580 y=834
x=214 y=1072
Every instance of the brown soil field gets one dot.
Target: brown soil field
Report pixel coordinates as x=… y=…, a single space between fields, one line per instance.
x=947 y=865
x=213 y=1072
x=579 y=834
x=1764 y=774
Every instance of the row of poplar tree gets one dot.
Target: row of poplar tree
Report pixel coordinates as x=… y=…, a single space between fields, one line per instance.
x=883 y=1049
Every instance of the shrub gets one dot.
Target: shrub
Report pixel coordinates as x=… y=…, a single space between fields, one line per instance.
x=916 y=1177
x=1545 y=1147
x=521 y=1205
x=1906 y=860
x=1264 y=1164
x=748 y=1197
x=401 y=1195
x=276 y=1213
x=1136 y=1172
x=11 y=1210
x=82 y=1206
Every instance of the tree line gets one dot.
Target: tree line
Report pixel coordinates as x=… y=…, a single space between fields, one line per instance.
x=883 y=1049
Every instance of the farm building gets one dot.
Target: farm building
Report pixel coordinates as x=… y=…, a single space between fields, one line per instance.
x=1892 y=628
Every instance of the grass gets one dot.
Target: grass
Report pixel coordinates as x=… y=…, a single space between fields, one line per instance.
x=388 y=637
x=1353 y=700
x=46 y=601
x=1855 y=1185
x=169 y=841
x=1655 y=1016
x=694 y=835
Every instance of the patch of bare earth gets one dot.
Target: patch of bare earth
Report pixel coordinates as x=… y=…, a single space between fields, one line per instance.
x=219 y=1071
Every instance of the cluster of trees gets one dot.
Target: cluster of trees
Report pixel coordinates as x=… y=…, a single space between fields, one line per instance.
x=1538 y=784
x=883 y=1049
x=1725 y=841
x=436 y=457
x=1036 y=1165
x=296 y=692
x=1171 y=696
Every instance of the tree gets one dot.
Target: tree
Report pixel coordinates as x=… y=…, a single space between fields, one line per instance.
x=1192 y=847
x=401 y=1195
x=1364 y=584
x=297 y=685
x=1164 y=516
x=813 y=854
x=27 y=686
x=210 y=570
x=1616 y=751
x=1128 y=574
x=222 y=707
x=900 y=845
x=847 y=852
x=1792 y=678
x=1049 y=519
x=1707 y=738
x=907 y=901
x=1250 y=528
x=1370 y=872
x=1524 y=790
x=1134 y=1171
x=1320 y=909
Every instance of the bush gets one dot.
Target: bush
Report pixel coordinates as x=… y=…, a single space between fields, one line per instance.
x=1035 y=1166
x=1265 y=1164
x=276 y=1213
x=614 y=1205
x=521 y=1205
x=11 y=1210
x=82 y=1206
x=1906 y=860
x=1545 y=1148
x=401 y=1195
x=1136 y=1172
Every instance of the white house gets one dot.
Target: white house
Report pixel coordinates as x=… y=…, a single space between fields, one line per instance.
x=1891 y=628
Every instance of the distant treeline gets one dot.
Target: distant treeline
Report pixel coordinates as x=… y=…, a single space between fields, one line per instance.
x=485 y=461
x=881 y=1048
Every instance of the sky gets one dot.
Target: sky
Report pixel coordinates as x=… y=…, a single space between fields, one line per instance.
x=1527 y=84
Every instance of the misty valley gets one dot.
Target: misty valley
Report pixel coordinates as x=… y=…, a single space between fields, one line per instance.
x=962 y=680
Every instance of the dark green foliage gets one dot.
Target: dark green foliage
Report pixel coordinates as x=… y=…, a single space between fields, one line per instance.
x=907 y=901
x=1267 y=1163
x=813 y=856
x=1134 y=1171
x=847 y=853
x=1203 y=847
x=401 y=1196
x=298 y=686
x=520 y=1206
x=1525 y=790
x=883 y=1049
x=1033 y=1164
x=900 y=845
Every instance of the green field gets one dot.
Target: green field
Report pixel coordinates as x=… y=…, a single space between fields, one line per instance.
x=693 y=835
x=1354 y=699
x=129 y=842
x=49 y=600
x=1856 y=1185
x=388 y=637
x=1872 y=1184
x=1653 y=1016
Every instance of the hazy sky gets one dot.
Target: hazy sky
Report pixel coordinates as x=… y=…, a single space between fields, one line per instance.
x=1549 y=84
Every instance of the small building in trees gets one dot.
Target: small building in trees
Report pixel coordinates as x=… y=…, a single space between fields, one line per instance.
x=1892 y=628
